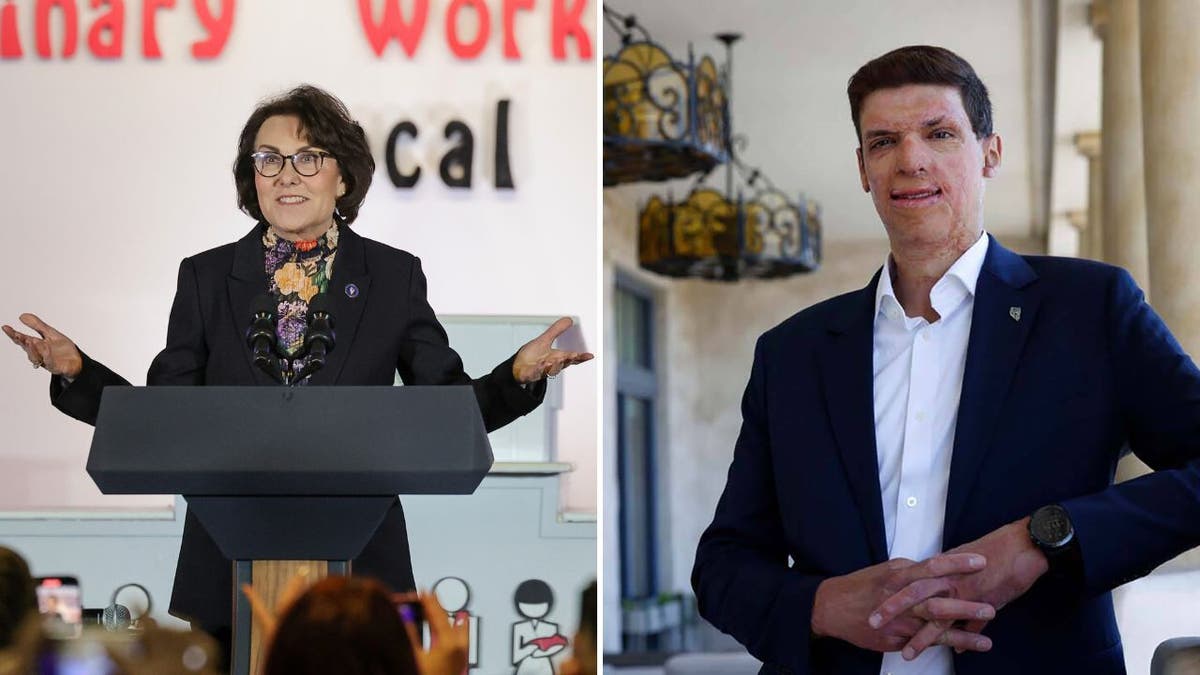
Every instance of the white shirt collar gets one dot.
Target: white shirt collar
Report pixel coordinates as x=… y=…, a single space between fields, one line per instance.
x=958 y=281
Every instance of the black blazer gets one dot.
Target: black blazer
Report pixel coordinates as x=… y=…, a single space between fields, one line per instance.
x=384 y=327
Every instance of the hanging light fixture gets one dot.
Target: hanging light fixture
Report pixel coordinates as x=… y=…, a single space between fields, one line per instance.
x=756 y=232
x=663 y=119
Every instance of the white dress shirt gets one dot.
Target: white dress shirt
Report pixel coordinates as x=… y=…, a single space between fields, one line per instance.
x=918 y=370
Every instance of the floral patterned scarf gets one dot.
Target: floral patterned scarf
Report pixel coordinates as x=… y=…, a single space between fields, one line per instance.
x=297 y=271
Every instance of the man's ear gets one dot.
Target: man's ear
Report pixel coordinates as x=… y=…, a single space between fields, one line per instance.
x=992 y=151
x=862 y=170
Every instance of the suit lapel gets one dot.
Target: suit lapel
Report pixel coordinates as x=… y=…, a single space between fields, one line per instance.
x=247 y=280
x=1006 y=306
x=848 y=378
x=348 y=290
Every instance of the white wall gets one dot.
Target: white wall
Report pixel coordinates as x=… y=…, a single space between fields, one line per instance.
x=114 y=170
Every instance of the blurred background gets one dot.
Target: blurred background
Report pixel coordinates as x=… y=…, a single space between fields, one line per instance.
x=692 y=275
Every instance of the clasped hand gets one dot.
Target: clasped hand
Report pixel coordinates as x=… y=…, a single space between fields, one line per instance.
x=945 y=600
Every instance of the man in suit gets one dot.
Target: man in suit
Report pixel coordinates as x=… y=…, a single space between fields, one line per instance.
x=966 y=409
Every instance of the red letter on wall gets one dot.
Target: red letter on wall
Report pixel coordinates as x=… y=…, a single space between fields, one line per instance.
x=10 y=41
x=218 y=29
x=470 y=49
x=394 y=25
x=510 y=39
x=70 y=32
x=565 y=23
x=114 y=23
x=150 y=48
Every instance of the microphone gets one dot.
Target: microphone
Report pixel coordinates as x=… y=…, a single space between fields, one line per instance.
x=319 y=338
x=261 y=338
x=116 y=617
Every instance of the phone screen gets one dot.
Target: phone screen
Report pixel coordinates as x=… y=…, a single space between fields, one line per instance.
x=410 y=609
x=61 y=605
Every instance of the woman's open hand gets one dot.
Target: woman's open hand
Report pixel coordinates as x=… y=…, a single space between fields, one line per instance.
x=52 y=350
x=538 y=359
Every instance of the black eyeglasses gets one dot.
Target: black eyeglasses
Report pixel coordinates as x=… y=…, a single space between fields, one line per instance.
x=306 y=162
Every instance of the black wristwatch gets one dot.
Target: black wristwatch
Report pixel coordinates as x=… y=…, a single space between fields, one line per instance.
x=1051 y=531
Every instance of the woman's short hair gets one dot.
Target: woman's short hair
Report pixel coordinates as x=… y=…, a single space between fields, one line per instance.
x=343 y=625
x=921 y=64
x=18 y=597
x=326 y=123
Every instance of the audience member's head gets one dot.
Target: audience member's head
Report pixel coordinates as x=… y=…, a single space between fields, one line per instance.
x=341 y=625
x=583 y=653
x=18 y=598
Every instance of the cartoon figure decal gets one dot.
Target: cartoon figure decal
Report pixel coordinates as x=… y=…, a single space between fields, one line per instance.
x=454 y=595
x=534 y=641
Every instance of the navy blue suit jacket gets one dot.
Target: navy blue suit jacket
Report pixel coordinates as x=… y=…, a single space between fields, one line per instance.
x=1049 y=404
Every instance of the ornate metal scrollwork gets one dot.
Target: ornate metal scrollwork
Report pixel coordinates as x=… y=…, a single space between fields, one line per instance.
x=662 y=118
x=708 y=236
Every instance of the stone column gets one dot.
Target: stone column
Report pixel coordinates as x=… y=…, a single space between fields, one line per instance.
x=1170 y=71
x=1077 y=219
x=1123 y=184
x=1091 y=244
x=1171 y=90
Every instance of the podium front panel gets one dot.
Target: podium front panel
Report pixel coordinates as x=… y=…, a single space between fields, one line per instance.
x=275 y=441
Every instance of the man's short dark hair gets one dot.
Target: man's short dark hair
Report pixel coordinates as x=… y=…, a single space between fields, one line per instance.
x=326 y=123
x=922 y=64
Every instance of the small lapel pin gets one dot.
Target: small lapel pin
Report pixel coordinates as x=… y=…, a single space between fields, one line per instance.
x=352 y=291
x=1015 y=313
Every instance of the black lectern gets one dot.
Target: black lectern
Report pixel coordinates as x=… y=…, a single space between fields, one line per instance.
x=286 y=474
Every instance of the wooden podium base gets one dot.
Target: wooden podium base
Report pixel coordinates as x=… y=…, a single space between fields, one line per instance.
x=269 y=578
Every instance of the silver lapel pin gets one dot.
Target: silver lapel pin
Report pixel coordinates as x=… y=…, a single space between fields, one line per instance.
x=1015 y=313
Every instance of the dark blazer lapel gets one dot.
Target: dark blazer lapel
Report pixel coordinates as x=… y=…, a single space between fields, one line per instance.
x=848 y=378
x=1006 y=304
x=348 y=296
x=247 y=280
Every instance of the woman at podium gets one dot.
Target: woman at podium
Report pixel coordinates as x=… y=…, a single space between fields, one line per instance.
x=302 y=170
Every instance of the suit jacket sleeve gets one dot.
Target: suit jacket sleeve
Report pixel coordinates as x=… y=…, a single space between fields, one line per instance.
x=742 y=580
x=180 y=363
x=426 y=358
x=1128 y=529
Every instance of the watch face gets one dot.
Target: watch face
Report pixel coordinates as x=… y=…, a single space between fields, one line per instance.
x=1051 y=526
